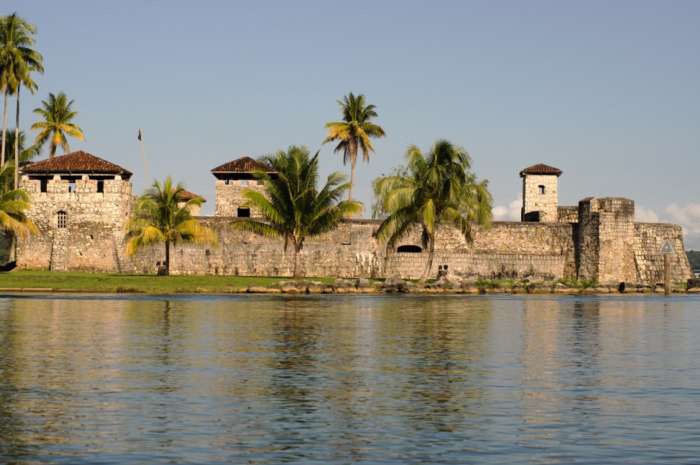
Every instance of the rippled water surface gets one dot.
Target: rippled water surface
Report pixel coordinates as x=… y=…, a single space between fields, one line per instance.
x=333 y=380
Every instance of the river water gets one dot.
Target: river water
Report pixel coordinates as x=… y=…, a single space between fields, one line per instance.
x=338 y=380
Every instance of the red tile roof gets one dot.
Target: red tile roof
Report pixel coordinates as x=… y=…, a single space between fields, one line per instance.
x=187 y=195
x=242 y=165
x=76 y=163
x=541 y=168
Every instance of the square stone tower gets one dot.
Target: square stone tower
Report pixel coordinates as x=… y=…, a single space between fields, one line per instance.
x=232 y=179
x=81 y=205
x=540 y=193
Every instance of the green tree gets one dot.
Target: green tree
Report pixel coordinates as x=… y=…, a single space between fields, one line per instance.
x=161 y=217
x=292 y=208
x=432 y=190
x=14 y=204
x=16 y=139
x=17 y=62
x=56 y=124
x=354 y=132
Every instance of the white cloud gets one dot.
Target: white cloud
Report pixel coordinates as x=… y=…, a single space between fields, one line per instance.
x=510 y=212
x=645 y=215
x=687 y=216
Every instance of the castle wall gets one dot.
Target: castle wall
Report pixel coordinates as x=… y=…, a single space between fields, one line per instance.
x=95 y=224
x=567 y=214
x=611 y=247
x=602 y=243
x=506 y=249
x=649 y=261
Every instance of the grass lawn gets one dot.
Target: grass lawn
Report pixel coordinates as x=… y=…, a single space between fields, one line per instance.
x=110 y=282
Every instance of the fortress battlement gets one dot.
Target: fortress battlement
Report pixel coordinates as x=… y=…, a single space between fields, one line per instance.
x=82 y=204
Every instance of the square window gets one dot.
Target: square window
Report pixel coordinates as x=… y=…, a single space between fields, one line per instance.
x=243 y=212
x=541 y=189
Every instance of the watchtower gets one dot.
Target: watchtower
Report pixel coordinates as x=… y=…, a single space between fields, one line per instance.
x=232 y=180
x=81 y=205
x=540 y=193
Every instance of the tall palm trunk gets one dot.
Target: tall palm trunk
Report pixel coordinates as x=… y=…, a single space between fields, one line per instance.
x=353 y=162
x=431 y=255
x=4 y=127
x=295 y=270
x=17 y=140
x=167 y=257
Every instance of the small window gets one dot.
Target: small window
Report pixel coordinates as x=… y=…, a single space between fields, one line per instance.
x=44 y=185
x=244 y=213
x=227 y=182
x=100 y=185
x=71 y=186
x=541 y=188
x=62 y=219
x=409 y=249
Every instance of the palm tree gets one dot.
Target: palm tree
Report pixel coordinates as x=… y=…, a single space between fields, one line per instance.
x=14 y=204
x=17 y=61
x=16 y=139
x=57 y=123
x=434 y=189
x=161 y=217
x=353 y=133
x=292 y=208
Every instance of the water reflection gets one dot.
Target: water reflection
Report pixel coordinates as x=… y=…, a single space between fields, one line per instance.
x=349 y=380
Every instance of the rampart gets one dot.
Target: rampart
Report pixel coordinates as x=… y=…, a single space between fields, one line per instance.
x=82 y=221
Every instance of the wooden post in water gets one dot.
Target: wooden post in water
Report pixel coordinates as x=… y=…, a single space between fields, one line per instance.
x=667 y=251
x=667 y=274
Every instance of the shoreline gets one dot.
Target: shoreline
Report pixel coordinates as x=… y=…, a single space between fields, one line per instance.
x=25 y=281
x=345 y=291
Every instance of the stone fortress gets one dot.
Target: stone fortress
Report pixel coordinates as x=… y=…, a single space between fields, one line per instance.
x=82 y=205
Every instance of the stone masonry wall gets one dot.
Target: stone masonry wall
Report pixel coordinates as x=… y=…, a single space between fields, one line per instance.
x=605 y=245
x=506 y=249
x=95 y=225
x=649 y=261
x=230 y=196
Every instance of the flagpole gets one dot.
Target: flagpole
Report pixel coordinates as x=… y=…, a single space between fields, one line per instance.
x=143 y=158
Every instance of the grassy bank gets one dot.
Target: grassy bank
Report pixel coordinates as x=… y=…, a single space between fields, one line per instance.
x=107 y=282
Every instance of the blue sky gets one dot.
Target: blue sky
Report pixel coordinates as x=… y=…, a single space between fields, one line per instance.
x=606 y=91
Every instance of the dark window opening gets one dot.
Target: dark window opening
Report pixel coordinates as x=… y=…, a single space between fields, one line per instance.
x=71 y=186
x=541 y=188
x=44 y=185
x=243 y=213
x=62 y=219
x=409 y=249
x=100 y=186
x=532 y=216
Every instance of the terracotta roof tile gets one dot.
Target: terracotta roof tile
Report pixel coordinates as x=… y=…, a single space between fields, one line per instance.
x=76 y=163
x=187 y=195
x=241 y=165
x=541 y=168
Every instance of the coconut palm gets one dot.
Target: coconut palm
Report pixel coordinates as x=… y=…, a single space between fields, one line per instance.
x=292 y=208
x=56 y=125
x=14 y=204
x=432 y=190
x=354 y=132
x=17 y=61
x=16 y=139
x=161 y=217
